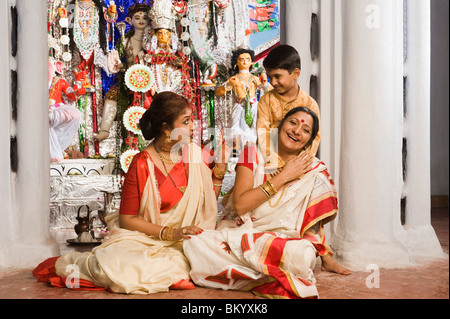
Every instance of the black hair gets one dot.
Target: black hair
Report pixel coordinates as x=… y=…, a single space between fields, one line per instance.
x=235 y=57
x=138 y=7
x=283 y=57
x=315 y=128
x=166 y=107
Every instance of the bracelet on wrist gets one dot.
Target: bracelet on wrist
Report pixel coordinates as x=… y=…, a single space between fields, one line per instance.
x=268 y=188
x=169 y=235
x=220 y=175
x=264 y=191
x=161 y=232
x=166 y=233
x=272 y=188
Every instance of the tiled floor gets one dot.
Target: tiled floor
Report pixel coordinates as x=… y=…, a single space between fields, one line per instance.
x=427 y=281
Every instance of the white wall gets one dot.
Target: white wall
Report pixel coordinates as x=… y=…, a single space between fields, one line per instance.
x=298 y=18
x=25 y=195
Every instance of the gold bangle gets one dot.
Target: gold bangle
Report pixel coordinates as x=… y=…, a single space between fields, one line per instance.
x=268 y=187
x=167 y=234
x=274 y=190
x=264 y=191
x=170 y=234
x=218 y=173
x=164 y=234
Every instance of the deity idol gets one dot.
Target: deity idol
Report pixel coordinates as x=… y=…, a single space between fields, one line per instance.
x=244 y=86
x=130 y=52
x=89 y=49
x=63 y=118
x=169 y=65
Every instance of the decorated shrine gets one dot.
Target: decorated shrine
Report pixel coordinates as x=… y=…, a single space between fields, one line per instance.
x=115 y=55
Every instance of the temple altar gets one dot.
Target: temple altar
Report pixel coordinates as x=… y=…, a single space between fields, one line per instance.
x=122 y=53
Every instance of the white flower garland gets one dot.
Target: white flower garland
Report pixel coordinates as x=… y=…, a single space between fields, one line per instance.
x=131 y=119
x=138 y=78
x=126 y=158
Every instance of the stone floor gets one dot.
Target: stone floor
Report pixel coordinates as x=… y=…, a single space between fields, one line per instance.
x=429 y=280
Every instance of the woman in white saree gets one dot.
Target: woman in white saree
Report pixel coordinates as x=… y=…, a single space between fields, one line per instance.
x=269 y=241
x=167 y=197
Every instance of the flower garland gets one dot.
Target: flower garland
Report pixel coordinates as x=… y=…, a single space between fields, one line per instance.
x=86 y=28
x=131 y=119
x=138 y=78
x=179 y=61
x=126 y=158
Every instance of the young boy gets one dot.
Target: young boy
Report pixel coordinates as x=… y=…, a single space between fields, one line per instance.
x=283 y=67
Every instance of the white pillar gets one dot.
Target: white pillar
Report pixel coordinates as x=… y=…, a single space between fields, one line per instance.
x=6 y=130
x=330 y=76
x=421 y=235
x=28 y=241
x=298 y=35
x=369 y=227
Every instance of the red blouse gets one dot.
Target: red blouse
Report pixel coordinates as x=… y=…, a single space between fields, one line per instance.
x=137 y=176
x=248 y=156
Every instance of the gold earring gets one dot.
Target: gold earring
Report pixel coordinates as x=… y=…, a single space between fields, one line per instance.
x=168 y=139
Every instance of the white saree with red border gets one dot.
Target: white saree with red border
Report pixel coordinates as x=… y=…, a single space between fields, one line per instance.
x=272 y=251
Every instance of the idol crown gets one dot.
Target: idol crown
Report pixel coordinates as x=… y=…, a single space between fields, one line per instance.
x=162 y=15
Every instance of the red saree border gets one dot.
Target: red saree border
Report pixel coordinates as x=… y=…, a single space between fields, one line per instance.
x=270 y=260
x=319 y=209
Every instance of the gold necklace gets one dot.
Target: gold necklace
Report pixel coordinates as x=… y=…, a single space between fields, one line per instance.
x=279 y=199
x=182 y=189
x=165 y=149
x=163 y=158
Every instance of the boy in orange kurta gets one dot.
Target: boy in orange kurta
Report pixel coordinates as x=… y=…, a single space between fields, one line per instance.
x=283 y=67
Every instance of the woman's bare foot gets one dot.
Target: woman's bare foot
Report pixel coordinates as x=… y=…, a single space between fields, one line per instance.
x=331 y=265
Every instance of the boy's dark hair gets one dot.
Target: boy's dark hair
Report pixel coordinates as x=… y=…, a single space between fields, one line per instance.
x=283 y=57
